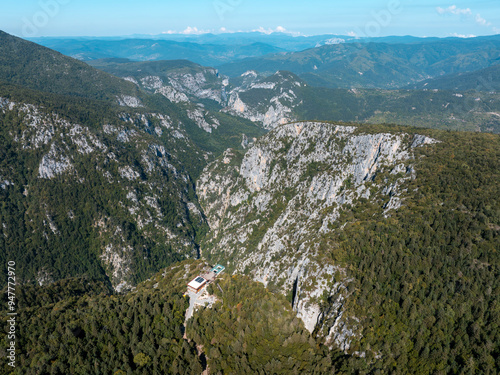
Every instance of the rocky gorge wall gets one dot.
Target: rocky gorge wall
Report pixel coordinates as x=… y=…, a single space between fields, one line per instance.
x=271 y=210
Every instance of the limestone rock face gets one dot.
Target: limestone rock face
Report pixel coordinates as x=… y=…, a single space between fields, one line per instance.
x=184 y=84
x=203 y=119
x=129 y=101
x=53 y=164
x=271 y=209
x=269 y=101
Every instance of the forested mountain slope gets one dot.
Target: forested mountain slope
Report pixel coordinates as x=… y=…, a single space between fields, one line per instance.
x=363 y=248
x=28 y=64
x=249 y=330
x=90 y=189
x=486 y=80
x=32 y=66
x=96 y=182
x=283 y=97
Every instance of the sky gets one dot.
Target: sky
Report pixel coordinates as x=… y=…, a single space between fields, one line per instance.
x=442 y=18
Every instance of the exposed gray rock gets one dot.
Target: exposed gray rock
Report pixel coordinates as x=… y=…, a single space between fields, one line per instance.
x=271 y=209
x=273 y=108
x=203 y=119
x=129 y=101
x=152 y=82
x=172 y=94
x=420 y=140
x=131 y=79
x=53 y=164
x=128 y=173
x=4 y=183
x=118 y=260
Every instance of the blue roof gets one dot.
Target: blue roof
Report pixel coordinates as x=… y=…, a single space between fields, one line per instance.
x=218 y=268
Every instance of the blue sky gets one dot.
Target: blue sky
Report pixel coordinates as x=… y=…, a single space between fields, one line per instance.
x=29 y=18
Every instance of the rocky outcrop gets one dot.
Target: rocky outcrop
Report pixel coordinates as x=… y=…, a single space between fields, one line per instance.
x=270 y=210
x=129 y=101
x=172 y=94
x=53 y=164
x=203 y=119
x=182 y=83
x=269 y=101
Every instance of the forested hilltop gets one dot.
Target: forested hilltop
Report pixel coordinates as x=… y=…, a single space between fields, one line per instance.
x=249 y=331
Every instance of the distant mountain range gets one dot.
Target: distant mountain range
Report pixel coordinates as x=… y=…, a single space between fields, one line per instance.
x=157 y=49
x=337 y=61
x=376 y=65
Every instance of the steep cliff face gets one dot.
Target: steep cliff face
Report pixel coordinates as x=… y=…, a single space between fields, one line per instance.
x=178 y=80
x=269 y=100
x=271 y=210
x=113 y=194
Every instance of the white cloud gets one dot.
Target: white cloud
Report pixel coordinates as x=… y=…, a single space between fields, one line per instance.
x=269 y=31
x=194 y=30
x=353 y=34
x=222 y=30
x=454 y=10
x=188 y=31
x=481 y=21
x=279 y=29
x=463 y=35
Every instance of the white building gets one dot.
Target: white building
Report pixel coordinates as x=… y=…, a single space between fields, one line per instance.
x=197 y=284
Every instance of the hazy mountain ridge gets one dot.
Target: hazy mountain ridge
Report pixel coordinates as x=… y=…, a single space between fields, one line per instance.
x=150 y=49
x=376 y=65
x=323 y=60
